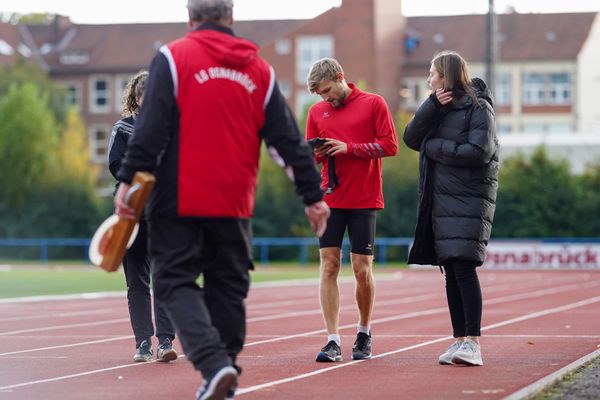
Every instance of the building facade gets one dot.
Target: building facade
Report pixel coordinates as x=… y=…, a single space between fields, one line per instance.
x=546 y=73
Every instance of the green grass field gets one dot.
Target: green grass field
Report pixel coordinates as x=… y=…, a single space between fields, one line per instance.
x=31 y=280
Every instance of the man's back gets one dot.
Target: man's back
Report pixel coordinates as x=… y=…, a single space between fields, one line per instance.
x=221 y=88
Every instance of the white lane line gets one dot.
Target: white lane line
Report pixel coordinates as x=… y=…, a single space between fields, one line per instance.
x=60 y=378
x=381 y=320
x=63 y=314
x=317 y=311
x=498 y=300
x=121 y=294
x=51 y=328
x=549 y=380
x=437 y=335
x=537 y=314
x=412 y=299
x=321 y=371
x=57 y=297
x=64 y=346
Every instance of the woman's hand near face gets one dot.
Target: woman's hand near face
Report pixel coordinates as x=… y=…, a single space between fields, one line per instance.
x=443 y=96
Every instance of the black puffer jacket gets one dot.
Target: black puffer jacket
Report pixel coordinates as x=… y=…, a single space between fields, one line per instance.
x=459 y=178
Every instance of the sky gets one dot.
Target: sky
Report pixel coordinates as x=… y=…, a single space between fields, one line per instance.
x=132 y=11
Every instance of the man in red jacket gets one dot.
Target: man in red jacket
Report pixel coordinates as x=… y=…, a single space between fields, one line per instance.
x=210 y=100
x=358 y=131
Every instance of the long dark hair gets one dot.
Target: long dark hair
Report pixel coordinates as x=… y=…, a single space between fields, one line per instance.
x=454 y=69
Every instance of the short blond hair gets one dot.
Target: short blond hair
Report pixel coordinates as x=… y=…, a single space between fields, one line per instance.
x=325 y=68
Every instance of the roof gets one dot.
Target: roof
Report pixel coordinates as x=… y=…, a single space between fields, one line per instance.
x=115 y=47
x=530 y=37
x=11 y=44
x=68 y=47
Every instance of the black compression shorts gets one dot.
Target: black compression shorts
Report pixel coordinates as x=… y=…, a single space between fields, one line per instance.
x=361 y=229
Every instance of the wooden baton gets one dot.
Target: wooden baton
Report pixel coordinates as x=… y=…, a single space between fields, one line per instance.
x=114 y=244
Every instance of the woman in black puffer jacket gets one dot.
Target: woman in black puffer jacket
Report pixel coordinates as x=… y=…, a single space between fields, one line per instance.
x=454 y=131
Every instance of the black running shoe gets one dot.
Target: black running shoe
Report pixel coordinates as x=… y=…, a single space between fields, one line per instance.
x=330 y=353
x=362 y=347
x=218 y=385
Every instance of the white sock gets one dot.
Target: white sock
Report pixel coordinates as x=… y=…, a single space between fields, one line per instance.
x=335 y=337
x=364 y=329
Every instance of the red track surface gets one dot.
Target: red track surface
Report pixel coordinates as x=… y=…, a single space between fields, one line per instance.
x=534 y=323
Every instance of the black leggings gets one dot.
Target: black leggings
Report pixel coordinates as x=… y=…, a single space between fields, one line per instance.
x=464 y=298
x=136 y=265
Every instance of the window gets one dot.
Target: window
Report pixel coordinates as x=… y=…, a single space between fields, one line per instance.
x=503 y=91
x=560 y=128
x=99 y=94
x=303 y=100
x=533 y=89
x=308 y=50
x=120 y=85
x=533 y=127
x=560 y=89
x=503 y=128
x=283 y=46
x=73 y=94
x=99 y=136
x=74 y=57
x=547 y=89
x=411 y=92
x=6 y=49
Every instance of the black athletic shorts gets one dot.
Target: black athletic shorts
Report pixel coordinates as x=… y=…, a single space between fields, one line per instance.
x=361 y=229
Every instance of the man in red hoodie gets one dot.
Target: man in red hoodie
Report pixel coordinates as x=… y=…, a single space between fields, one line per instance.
x=210 y=100
x=355 y=130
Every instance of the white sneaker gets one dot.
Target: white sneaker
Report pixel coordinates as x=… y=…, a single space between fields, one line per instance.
x=446 y=358
x=469 y=353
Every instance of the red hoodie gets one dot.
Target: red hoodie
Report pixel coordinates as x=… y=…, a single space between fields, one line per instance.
x=223 y=85
x=364 y=122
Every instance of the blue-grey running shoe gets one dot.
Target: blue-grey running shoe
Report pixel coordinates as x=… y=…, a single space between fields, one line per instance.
x=165 y=351
x=144 y=352
x=330 y=353
x=362 y=347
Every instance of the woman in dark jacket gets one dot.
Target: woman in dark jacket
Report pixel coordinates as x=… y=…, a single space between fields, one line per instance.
x=136 y=262
x=454 y=131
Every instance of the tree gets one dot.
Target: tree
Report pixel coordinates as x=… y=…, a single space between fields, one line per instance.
x=28 y=144
x=73 y=156
x=45 y=172
x=590 y=209
x=22 y=72
x=537 y=197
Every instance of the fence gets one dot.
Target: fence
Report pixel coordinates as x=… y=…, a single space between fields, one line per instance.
x=544 y=253
x=263 y=246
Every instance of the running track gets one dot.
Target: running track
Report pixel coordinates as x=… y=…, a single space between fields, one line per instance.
x=535 y=323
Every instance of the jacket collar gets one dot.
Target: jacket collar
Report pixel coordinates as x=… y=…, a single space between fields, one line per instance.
x=215 y=27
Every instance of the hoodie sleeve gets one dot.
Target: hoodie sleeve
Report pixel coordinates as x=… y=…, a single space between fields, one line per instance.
x=386 y=142
x=312 y=132
x=481 y=142
x=288 y=148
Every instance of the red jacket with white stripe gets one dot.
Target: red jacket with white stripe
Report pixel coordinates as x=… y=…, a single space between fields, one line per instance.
x=209 y=101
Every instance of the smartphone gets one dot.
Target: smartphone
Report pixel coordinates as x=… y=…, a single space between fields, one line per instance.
x=316 y=142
